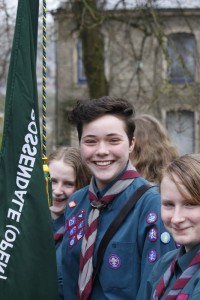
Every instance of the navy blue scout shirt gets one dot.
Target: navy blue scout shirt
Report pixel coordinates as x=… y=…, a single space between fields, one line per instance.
x=192 y=289
x=131 y=253
x=57 y=226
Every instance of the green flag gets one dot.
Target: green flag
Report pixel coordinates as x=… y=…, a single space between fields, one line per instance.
x=27 y=254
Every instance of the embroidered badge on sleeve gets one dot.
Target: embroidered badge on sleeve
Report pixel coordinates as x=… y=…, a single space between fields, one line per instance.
x=152 y=217
x=153 y=234
x=152 y=255
x=76 y=227
x=72 y=204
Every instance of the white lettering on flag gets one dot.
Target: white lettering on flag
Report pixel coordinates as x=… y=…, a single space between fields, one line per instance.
x=25 y=167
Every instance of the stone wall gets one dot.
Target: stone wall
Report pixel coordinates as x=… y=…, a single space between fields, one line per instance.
x=139 y=77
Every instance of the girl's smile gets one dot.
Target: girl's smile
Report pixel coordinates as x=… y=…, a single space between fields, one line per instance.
x=105 y=148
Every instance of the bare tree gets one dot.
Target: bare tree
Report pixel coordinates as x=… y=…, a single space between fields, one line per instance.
x=6 y=34
x=88 y=20
x=92 y=18
x=128 y=51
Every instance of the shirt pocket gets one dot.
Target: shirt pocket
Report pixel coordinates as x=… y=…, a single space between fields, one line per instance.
x=119 y=266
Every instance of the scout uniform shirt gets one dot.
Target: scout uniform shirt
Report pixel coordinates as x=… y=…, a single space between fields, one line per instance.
x=191 y=291
x=58 y=231
x=131 y=253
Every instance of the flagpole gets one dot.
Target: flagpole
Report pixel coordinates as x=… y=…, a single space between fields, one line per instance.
x=44 y=104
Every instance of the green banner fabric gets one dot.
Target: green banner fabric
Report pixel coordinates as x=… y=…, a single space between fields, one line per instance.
x=27 y=254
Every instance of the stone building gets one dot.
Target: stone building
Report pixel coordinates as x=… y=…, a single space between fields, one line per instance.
x=151 y=58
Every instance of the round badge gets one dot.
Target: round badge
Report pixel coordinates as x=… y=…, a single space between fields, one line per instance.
x=153 y=234
x=114 y=261
x=152 y=217
x=165 y=237
x=152 y=256
x=72 y=241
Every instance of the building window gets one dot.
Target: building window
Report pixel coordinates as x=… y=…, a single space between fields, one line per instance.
x=181 y=49
x=80 y=67
x=181 y=128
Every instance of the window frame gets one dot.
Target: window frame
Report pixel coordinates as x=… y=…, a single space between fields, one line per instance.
x=180 y=77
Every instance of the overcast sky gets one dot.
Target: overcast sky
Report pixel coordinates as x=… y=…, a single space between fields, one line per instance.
x=53 y=4
x=50 y=4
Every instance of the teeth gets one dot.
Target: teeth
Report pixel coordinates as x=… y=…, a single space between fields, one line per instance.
x=59 y=200
x=103 y=163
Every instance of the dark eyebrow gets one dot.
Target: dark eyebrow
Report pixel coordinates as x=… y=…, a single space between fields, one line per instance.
x=94 y=136
x=89 y=135
x=114 y=134
x=165 y=200
x=69 y=181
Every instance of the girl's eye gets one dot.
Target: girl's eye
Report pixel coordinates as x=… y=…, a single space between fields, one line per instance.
x=69 y=184
x=189 y=204
x=90 y=141
x=114 y=140
x=167 y=204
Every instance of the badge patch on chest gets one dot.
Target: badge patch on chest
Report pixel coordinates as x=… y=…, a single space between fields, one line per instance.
x=114 y=261
x=165 y=237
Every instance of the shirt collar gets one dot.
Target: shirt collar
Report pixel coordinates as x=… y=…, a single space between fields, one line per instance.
x=184 y=258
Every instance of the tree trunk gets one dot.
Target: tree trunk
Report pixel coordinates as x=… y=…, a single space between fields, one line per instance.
x=88 y=19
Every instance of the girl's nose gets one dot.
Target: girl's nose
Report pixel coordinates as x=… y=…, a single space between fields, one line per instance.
x=178 y=215
x=102 y=149
x=57 y=189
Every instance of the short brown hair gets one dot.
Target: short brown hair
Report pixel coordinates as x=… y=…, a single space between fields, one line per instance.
x=87 y=111
x=187 y=169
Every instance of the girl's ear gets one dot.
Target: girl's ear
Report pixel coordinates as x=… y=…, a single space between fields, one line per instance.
x=132 y=145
